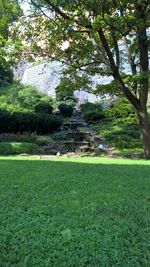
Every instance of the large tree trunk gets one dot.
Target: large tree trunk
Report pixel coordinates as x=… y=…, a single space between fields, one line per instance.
x=145 y=132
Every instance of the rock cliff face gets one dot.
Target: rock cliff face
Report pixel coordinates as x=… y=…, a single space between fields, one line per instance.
x=46 y=77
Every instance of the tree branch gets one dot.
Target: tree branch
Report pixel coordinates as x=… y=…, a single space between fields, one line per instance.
x=39 y=7
x=115 y=72
x=131 y=60
x=57 y=10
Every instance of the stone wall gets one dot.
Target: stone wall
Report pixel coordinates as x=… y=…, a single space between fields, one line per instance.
x=46 y=77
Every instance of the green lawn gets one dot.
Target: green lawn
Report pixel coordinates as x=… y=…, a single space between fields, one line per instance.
x=74 y=212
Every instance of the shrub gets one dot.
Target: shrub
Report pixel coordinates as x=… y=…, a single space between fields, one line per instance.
x=60 y=136
x=43 y=107
x=119 y=110
x=46 y=123
x=87 y=106
x=66 y=110
x=43 y=140
x=9 y=148
x=93 y=115
x=18 y=97
x=92 y=112
x=9 y=137
x=28 y=122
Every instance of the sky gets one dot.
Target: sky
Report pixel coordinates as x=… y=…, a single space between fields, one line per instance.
x=25 y=6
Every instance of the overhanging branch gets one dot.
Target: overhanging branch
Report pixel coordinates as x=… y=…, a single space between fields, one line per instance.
x=57 y=10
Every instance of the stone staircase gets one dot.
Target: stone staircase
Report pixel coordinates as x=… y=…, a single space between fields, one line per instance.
x=80 y=138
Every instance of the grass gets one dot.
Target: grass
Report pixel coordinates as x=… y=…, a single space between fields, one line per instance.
x=74 y=212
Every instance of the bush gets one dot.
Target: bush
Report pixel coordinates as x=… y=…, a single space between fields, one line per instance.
x=28 y=122
x=60 y=136
x=18 y=97
x=46 y=123
x=9 y=148
x=43 y=107
x=119 y=110
x=87 y=106
x=11 y=137
x=43 y=140
x=66 y=110
x=92 y=112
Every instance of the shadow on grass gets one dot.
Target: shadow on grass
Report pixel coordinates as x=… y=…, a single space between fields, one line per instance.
x=89 y=165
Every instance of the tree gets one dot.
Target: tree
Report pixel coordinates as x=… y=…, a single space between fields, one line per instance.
x=94 y=30
x=9 y=12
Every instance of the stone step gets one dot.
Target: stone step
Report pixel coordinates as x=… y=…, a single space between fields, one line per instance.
x=86 y=149
x=78 y=134
x=76 y=143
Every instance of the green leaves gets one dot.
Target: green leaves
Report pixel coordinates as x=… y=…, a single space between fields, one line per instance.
x=98 y=22
x=9 y=12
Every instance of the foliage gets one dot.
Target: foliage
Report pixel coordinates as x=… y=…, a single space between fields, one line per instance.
x=120 y=129
x=66 y=110
x=120 y=110
x=86 y=35
x=28 y=122
x=63 y=90
x=26 y=137
x=70 y=83
x=92 y=112
x=9 y=12
x=17 y=110
x=18 y=97
x=74 y=212
x=43 y=140
x=60 y=136
x=6 y=74
x=110 y=89
x=10 y=148
x=43 y=107
x=9 y=137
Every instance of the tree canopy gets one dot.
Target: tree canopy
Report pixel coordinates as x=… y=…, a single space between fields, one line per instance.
x=9 y=12
x=87 y=36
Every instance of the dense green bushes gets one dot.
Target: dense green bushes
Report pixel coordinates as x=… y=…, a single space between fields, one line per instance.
x=10 y=148
x=119 y=110
x=44 y=107
x=28 y=122
x=66 y=110
x=92 y=112
x=24 y=109
x=18 y=98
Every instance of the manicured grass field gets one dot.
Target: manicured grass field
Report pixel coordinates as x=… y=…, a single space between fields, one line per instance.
x=74 y=212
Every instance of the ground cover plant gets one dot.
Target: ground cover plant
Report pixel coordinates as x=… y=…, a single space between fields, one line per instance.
x=118 y=127
x=74 y=212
